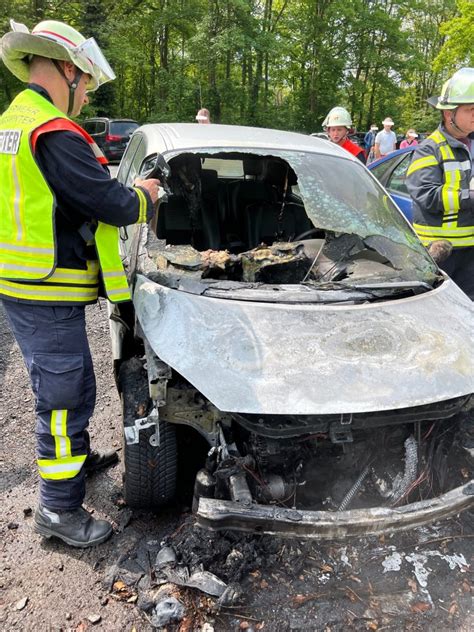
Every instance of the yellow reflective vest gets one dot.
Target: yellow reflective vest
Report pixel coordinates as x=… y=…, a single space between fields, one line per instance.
x=28 y=248
x=438 y=180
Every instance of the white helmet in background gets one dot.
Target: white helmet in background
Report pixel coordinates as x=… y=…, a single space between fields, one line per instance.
x=337 y=117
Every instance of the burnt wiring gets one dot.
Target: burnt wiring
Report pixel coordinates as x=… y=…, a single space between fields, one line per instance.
x=431 y=447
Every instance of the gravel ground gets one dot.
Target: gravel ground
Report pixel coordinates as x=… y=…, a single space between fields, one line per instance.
x=418 y=581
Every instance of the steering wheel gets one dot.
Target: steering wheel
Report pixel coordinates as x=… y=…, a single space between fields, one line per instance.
x=307 y=233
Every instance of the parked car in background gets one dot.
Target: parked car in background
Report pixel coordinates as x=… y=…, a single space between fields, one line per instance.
x=112 y=135
x=278 y=318
x=391 y=171
x=358 y=139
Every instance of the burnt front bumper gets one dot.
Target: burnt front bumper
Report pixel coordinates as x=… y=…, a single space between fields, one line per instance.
x=224 y=514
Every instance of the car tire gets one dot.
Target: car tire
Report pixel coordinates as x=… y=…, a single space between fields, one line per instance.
x=150 y=471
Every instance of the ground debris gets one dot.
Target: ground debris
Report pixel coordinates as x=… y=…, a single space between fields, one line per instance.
x=121 y=592
x=21 y=604
x=167 y=611
x=299 y=600
x=420 y=606
x=94 y=618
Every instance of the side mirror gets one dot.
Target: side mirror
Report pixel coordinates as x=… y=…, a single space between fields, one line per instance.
x=155 y=167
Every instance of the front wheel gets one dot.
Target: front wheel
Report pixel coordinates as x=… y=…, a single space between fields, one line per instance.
x=150 y=471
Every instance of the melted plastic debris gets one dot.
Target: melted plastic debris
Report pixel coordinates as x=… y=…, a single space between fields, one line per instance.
x=421 y=573
x=392 y=562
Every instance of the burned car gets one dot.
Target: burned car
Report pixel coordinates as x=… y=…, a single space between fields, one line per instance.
x=289 y=327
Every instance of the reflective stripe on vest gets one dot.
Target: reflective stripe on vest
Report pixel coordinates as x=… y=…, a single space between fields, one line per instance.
x=27 y=238
x=460 y=237
x=420 y=163
x=63 y=286
x=113 y=275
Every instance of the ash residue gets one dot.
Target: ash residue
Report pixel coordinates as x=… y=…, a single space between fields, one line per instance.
x=232 y=555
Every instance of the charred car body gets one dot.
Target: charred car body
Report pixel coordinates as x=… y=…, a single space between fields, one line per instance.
x=285 y=311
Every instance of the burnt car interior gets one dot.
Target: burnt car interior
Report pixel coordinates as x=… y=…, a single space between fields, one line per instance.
x=248 y=221
x=234 y=214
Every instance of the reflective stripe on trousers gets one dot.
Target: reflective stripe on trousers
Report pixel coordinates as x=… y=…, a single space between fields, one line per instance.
x=54 y=345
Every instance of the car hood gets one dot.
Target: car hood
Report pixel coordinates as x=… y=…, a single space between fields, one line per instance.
x=262 y=358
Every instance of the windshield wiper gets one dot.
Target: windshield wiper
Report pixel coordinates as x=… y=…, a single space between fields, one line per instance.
x=370 y=287
x=393 y=285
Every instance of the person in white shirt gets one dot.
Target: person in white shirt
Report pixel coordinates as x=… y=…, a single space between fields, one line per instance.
x=386 y=140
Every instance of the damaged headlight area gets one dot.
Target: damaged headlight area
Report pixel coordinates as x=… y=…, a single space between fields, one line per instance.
x=342 y=482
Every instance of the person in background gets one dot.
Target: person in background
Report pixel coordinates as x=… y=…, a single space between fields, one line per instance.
x=59 y=250
x=338 y=124
x=440 y=180
x=410 y=139
x=369 y=142
x=203 y=117
x=386 y=140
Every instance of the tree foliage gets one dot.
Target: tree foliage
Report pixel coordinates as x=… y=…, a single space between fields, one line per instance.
x=276 y=63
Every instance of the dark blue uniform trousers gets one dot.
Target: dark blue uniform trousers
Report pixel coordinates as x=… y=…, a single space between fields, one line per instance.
x=56 y=351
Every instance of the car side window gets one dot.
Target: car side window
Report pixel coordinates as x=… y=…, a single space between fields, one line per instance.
x=396 y=181
x=380 y=170
x=132 y=160
x=100 y=127
x=90 y=127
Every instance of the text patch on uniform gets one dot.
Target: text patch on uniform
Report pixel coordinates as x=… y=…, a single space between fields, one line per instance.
x=10 y=141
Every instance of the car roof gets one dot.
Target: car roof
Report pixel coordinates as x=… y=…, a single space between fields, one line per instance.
x=390 y=156
x=114 y=120
x=192 y=136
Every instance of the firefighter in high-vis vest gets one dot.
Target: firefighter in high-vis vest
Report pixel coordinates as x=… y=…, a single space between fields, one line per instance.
x=59 y=250
x=440 y=180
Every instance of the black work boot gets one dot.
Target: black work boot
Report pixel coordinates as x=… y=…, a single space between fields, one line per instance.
x=75 y=527
x=99 y=460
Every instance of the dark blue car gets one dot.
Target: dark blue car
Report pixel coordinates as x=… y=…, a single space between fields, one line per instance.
x=391 y=172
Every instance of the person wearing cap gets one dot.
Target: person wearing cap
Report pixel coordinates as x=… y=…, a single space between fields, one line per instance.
x=203 y=117
x=59 y=249
x=386 y=139
x=369 y=142
x=369 y=138
x=337 y=125
x=440 y=180
x=410 y=139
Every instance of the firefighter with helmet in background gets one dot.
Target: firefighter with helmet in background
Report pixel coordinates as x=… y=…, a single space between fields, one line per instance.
x=337 y=125
x=59 y=250
x=440 y=181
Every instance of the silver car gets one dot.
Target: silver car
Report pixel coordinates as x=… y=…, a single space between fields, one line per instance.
x=292 y=353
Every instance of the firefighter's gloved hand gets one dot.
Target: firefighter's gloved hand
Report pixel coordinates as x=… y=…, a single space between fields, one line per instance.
x=440 y=250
